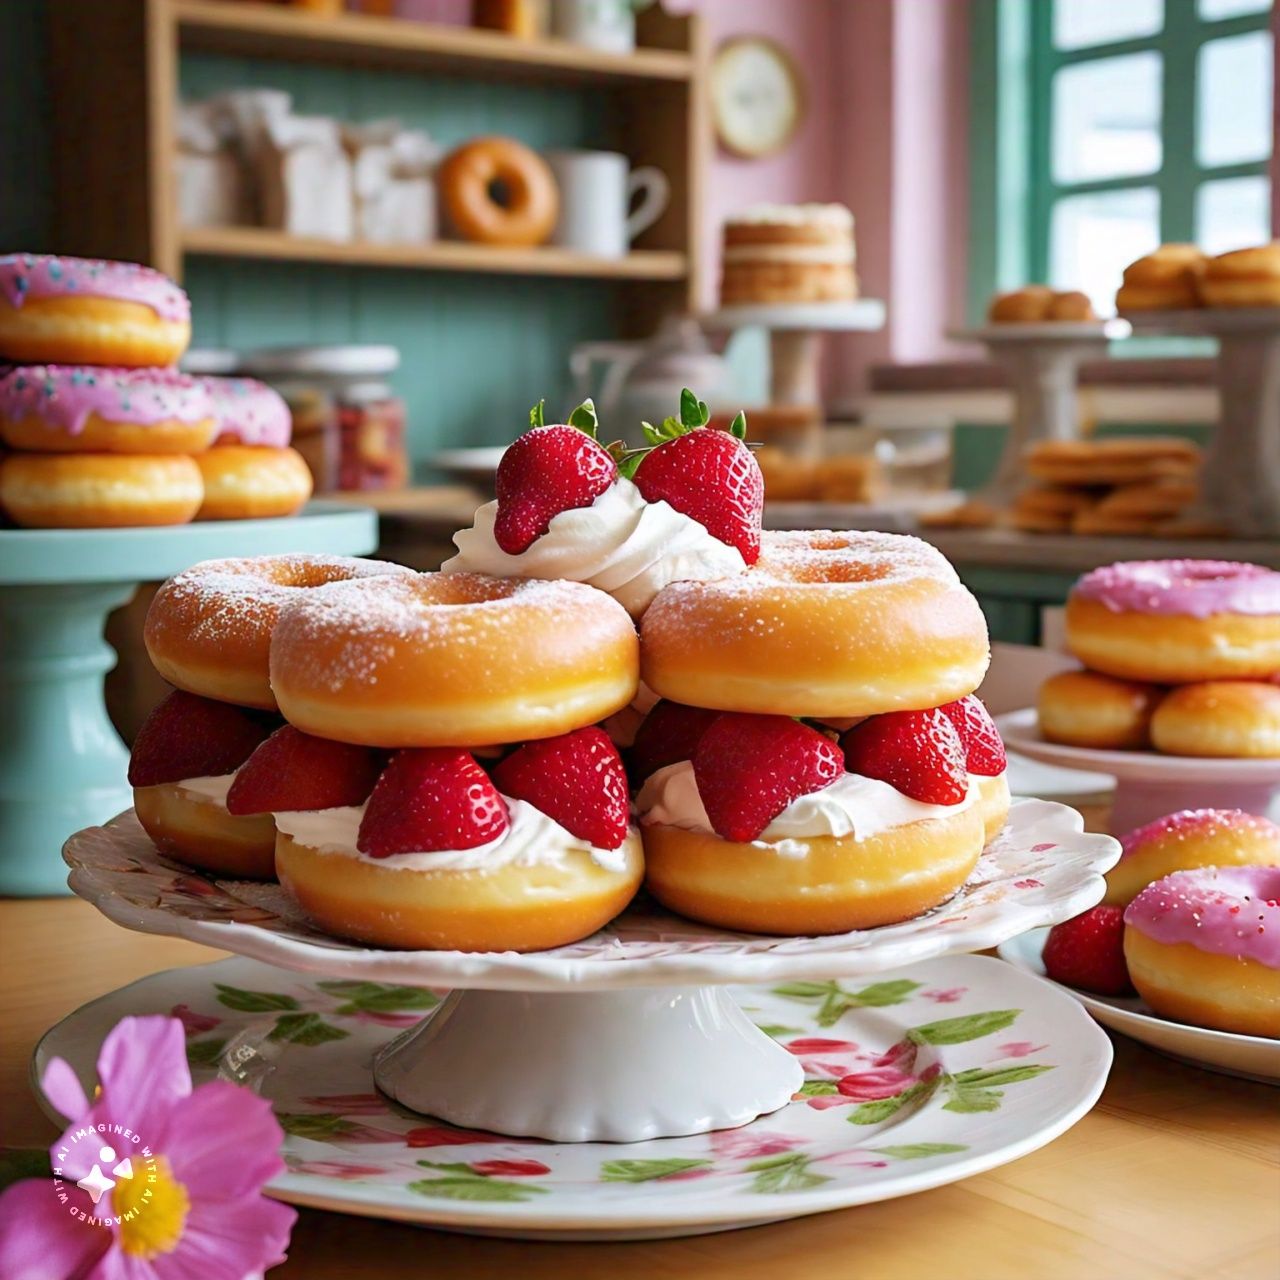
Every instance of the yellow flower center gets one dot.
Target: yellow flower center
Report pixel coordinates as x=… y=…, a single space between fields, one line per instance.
x=152 y=1207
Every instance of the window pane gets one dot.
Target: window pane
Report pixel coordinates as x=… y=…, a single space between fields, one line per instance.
x=1213 y=9
x=1106 y=118
x=1233 y=213
x=1092 y=238
x=1234 y=108
x=1077 y=23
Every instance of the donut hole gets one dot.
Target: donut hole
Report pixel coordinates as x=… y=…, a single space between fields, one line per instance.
x=500 y=192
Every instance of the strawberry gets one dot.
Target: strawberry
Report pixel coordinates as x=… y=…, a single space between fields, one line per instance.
x=429 y=799
x=750 y=767
x=1087 y=951
x=577 y=780
x=983 y=747
x=669 y=733
x=292 y=771
x=916 y=752
x=190 y=737
x=709 y=475
x=548 y=470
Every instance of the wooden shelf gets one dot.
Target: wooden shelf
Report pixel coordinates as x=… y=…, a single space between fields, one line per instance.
x=274 y=31
x=441 y=255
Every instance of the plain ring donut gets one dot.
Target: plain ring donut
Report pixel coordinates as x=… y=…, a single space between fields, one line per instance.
x=531 y=201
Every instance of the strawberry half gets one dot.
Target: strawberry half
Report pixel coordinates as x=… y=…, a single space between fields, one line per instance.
x=669 y=733
x=293 y=771
x=916 y=752
x=984 y=752
x=577 y=780
x=186 y=736
x=1087 y=951
x=707 y=474
x=429 y=799
x=546 y=471
x=750 y=767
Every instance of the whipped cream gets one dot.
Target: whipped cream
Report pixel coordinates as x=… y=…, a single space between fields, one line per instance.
x=211 y=790
x=851 y=806
x=531 y=840
x=620 y=543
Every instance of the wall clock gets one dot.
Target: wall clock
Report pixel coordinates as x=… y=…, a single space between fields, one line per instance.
x=757 y=100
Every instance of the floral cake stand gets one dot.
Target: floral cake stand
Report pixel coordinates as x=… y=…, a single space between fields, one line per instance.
x=628 y=1036
x=62 y=765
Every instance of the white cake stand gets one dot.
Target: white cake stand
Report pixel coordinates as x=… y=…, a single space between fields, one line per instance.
x=1150 y=785
x=626 y=1036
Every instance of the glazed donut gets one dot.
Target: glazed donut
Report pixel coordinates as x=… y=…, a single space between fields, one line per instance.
x=84 y=311
x=824 y=624
x=99 y=490
x=1187 y=840
x=1203 y=947
x=1177 y=621
x=243 y=483
x=531 y=203
x=79 y=409
x=1166 y=280
x=1085 y=709
x=452 y=659
x=1243 y=278
x=1238 y=719
x=248 y=412
x=208 y=629
x=189 y=821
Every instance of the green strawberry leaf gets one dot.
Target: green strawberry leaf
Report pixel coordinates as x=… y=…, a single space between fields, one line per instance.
x=537 y=415
x=805 y=990
x=693 y=412
x=993 y=1076
x=205 y=1053
x=919 y=1150
x=319 y=1127
x=738 y=427
x=629 y=464
x=305 y=1029
x=881 y=994
x=779 y=1174
x=585 y=419
x=818 y=1089
x=473 y=1188
x=647 y=1170
x=252 y=1001
x=972 y=1026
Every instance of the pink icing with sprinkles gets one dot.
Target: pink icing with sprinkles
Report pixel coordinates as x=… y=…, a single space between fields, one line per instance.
x=1198 y=588
x=1228 y=911
x=40 y=275
x=64 y=396
x=1191 y=824
x=249 y=412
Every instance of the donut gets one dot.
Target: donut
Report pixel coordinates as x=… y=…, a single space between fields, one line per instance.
x=993 y=803
x=81 y=409
x=99 y=490
x=209 y=628
x=249 y=412
x=1237 y=719
x=243 y=483
x=1157 y=499
x=1116 y=461
x=1177 y=621
x=1166 y=280
x=1203 y=946
x=85 y=311
x=1072 y=307
x=1030 y=304
x=189 y=820
x=1243 y=278
x=824 y=624
x=1187 y=840
x=1085 y=709
x=530 y=200
x=452 y=659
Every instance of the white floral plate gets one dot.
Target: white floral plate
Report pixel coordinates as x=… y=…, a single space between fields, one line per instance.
x=1043 y=868
x=919 y=1079
x=1254 y=1057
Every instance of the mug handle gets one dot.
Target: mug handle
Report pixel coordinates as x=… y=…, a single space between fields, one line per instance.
x=652 y=182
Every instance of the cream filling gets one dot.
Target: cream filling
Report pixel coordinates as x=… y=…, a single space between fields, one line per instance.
x=211 y=790
x=851 y=806
x=621 y=543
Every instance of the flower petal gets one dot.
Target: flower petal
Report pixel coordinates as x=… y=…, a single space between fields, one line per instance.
x=62 y=1087
x=142 y=1066
x=223 y=1142
x=229 y=1240
x=39 y=1238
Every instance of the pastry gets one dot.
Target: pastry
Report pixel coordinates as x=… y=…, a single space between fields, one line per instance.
x=1243 y=278
x=1085 y=709
x=1238 y=719
x=1112 y=461
x=1038 y=304
x=468 y=177
x=779 y=254
x=1167 y=280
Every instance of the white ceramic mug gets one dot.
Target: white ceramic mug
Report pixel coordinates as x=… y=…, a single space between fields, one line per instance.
x=596 y=192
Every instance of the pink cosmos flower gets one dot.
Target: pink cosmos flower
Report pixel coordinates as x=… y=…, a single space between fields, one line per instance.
x=152 y=1180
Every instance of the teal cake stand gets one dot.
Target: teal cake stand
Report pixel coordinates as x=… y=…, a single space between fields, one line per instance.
x=62 y=764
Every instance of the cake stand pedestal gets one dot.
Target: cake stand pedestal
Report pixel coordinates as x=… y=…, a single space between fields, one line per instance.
x=62 y=764
x=795 y=339
x=1240 y=483
x=1043 y=363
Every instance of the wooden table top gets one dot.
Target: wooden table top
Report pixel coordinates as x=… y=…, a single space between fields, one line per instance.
x=1176 y=1173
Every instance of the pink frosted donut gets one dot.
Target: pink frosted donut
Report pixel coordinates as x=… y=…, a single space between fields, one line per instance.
x=1203 y=947
x=1177 y=621
x=1187 y=840
x=249 y=412
x=85 y=311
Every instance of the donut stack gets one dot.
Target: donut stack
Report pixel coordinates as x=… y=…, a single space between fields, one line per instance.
x=1180 y=656
x=104 y=431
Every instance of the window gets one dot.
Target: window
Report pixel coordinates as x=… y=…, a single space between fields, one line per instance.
x=1119 y=125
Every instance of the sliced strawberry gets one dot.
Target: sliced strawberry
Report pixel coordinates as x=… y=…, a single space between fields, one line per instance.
x=916 y=752
x=576 y=779
x=190 y=737
x=668 y=734
x=546 y=471
x=1087 y=951
x=750 y=767
x=984 y=752
x=429 y=799
x=293 y=771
